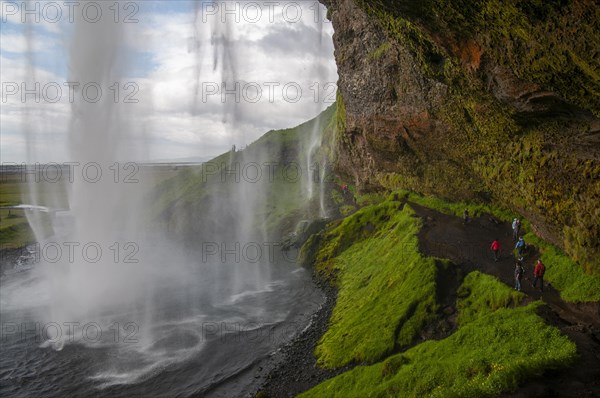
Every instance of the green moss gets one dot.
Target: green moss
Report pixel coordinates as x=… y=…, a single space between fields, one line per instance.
x=387 y=290
x=549 y=43
x=351 y=230
x=380 y=51
x=565 y=275
x=368 y=199
x=340 y=112
x=493 y=351
x=337 y=198
x=482 y=294
x=425 y=51
x=532 y=161
x=346 y=210
x=552 y=182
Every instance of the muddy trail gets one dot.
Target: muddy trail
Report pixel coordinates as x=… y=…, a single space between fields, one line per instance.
x=468 y=246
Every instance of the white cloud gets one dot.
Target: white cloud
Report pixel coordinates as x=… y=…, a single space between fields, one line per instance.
x=180 y=58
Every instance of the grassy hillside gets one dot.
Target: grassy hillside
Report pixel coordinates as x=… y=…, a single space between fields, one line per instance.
x=388 y=294
x=14 y=230
x=17 y=188
x=183 y=204
x=492 y=352
x=385 y=285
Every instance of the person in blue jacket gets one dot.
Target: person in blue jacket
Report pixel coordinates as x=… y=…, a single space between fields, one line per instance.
x=520 y=246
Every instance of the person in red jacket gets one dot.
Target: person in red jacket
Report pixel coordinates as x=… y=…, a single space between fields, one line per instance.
x=496 y=247
x=538 y=273
x=344 y=189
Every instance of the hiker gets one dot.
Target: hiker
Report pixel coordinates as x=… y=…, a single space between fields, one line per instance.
x=519 y=271
x=538 y=274
x=519 y=261
x=520 y=246
x=516 y=226
x=496 y=247
x=344 y=189
x=466 y=216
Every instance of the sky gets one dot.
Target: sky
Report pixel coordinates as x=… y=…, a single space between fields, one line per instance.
x=195 y=77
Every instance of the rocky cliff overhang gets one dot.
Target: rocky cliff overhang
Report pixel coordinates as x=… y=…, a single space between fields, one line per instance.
x=477 y=100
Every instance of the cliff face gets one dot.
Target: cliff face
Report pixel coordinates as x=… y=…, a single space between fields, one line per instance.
x=472 y=99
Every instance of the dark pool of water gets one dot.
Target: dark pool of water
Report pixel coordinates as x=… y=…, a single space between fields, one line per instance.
x=192 y=341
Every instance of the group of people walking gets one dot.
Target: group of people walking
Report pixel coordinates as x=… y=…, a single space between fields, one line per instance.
x=538 y=274
x=521 y=248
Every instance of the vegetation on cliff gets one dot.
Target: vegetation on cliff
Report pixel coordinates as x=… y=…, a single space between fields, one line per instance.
x=550 y=43
x=508 y=99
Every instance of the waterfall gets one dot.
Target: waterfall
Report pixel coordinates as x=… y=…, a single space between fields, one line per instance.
x=316 y=166
x=315 y=160
x=101 y=242
x=146 y=294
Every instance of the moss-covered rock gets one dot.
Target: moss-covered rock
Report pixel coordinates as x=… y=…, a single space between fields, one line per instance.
x=477 y=100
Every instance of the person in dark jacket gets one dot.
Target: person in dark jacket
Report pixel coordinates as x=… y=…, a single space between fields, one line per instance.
x=519 y=271
x=466 y=216
x=538 y=273
x=496 y=247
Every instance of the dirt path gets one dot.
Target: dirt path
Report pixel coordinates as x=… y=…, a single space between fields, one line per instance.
x=445 y=236
x=468 y=245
